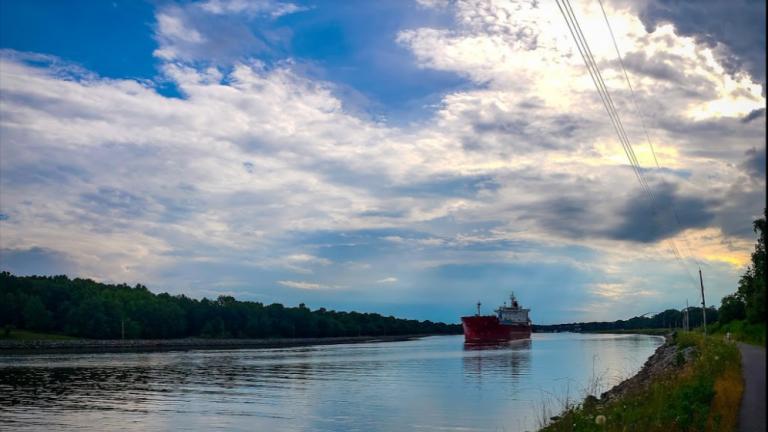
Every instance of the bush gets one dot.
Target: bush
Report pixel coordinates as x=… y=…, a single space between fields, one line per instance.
x=742 y=330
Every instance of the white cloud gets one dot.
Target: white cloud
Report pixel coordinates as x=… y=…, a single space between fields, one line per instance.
x=387 y=280
x=307 y=259
x=173 y=27
x=272 y=8
x=305 y=285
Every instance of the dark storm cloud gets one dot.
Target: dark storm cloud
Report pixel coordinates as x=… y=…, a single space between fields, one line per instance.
x=746 y=199
x=737 y=24
x=35 y=261
x=745 y=204
x=675 y=213
x=754 y=165
x=743 y=200
x=588 y=214
x=754 y=114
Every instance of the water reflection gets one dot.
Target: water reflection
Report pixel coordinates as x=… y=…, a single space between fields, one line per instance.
x=435 y=383
x=505 y=361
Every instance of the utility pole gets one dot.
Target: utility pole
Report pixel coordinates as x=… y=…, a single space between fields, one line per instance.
x=685 y=317
x=703 y=303
x=122 y=328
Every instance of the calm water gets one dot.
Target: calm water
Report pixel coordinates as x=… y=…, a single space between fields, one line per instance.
x=430 y=384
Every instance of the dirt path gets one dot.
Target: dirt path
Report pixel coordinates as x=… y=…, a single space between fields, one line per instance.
x=752 y=414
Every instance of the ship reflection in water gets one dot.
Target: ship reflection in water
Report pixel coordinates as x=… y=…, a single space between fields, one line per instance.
x=430 y=384
x=507 y=361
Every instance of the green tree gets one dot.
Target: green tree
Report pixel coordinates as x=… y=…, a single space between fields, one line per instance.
x=82 y=307
x=731 y=308
x=752 y=284
x=36 y=316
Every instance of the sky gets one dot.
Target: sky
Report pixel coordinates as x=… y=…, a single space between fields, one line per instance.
x=408 y=157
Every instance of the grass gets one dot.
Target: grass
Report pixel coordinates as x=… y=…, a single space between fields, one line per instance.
x=704 y=395
x=741 y=330
x=30 y=335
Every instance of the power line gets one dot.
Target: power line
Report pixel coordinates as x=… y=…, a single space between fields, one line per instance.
x=586 y=54
x=589 y=60
x=629 y=84
x=641 y=114
x=599 y=82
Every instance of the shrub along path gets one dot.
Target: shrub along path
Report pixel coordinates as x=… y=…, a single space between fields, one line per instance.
x=752 y=414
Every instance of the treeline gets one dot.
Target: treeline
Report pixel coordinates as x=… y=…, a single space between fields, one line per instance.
x=85 y=308
x=746 y=305
x=748 y=302
x=670 y=318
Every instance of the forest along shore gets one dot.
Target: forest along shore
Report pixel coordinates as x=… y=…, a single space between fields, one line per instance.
x=12 y=347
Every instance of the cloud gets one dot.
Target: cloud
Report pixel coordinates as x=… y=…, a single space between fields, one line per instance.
x=615 y=291
x=754 y=165
x=754 y=114
x=307 y=259
x=250 y=7
x=305 y=285
x=174 y=29
x=643 y=223
x=738 y=26
x=299 y=263
x=387 y=280
x=260 y=172
x=114 y=202
x=220 y=31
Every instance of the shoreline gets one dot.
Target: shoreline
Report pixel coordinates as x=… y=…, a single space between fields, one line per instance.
x=691 y=382
x=86 y=346
x=661 y=361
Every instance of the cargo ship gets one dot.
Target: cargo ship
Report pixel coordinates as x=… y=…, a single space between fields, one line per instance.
x=510 y=323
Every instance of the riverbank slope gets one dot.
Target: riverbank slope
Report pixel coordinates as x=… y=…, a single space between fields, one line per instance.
x=691 y=382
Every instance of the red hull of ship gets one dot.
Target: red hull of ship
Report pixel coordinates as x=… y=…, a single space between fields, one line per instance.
x=480 y=329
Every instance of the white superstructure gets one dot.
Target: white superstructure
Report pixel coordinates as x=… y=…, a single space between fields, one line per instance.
x=513 y=314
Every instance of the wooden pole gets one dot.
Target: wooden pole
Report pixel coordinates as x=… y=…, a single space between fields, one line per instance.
x=703 y=303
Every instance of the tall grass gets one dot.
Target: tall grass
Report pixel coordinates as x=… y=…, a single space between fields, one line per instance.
x=702 y=395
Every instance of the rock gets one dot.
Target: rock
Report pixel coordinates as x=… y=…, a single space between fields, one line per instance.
x=664 y=360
